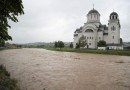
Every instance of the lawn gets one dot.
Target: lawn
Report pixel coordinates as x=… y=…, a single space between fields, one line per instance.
x=109 y=52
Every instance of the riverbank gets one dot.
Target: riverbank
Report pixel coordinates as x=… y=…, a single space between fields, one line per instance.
x=109 y=52
x=6 y=83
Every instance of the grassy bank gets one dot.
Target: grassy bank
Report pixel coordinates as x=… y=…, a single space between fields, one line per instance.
x=6 y=83
x=109 y=52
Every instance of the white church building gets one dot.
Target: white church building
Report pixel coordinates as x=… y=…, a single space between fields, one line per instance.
x=94 y=31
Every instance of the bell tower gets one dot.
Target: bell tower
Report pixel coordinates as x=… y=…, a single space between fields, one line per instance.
x=114 y=29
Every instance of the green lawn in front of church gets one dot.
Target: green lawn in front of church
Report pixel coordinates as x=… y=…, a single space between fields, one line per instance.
x=109 y=52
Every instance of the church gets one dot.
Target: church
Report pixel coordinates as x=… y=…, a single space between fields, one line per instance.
x=94 y=31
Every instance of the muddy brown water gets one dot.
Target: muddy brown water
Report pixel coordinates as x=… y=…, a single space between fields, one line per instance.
x=36 y=69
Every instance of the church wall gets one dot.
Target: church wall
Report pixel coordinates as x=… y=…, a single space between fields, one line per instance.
x=114 y=35
x=105 y=38
x=100 y=36
x=76 y=39
x=90 y=37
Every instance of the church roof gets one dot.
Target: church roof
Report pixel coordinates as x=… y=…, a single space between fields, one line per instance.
x=93 y=11
x=78 y=30
x=113 y=13
x=103 y=26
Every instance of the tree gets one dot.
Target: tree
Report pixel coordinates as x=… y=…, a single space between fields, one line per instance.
x=71 y=45
x=82 y=41
x=2 y=43
x=60 y=44
x=121 y=41
x=101 y=43
x=9 y=10
x=77 y=45
x=56 y=44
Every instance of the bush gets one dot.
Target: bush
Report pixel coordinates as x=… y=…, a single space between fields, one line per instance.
x=6 y=83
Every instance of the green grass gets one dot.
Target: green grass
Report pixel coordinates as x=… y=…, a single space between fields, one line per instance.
x=109 y=52
x=6 y=83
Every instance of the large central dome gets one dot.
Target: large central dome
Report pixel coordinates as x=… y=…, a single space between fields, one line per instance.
x=93 y=11
x=93 y=16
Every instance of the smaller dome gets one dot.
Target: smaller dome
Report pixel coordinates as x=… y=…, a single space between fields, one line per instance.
x=113 y=13
x=93 y=11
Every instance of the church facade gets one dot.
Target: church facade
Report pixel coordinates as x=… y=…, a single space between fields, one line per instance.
x=94 y=31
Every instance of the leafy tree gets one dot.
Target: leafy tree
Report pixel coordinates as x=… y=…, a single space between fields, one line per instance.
x=102 y=43
x=121 y=41
x=2 y=43
x=82 y=41
x=60 y=44
x=9 y=10
x=71 y=45
x=77 y=45
x=56 y=44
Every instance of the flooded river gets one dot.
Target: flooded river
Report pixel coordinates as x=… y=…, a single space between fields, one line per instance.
x=36 y=69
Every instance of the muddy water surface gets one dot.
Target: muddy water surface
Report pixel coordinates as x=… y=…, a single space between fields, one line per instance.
x=36 y=69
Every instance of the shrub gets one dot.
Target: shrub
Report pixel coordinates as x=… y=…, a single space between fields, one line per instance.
x=6 y=83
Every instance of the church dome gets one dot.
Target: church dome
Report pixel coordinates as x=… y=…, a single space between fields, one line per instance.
x=93 y=11
x=113 y=13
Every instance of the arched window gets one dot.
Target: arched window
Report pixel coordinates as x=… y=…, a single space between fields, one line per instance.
x=112 y=17
x=116 y=17
x=113 y=28
x=113 y=37
x=89 y=30
x=91 y=16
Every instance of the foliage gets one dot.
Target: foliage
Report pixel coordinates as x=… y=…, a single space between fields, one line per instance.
x=6 y=83
x=60 y=44
x=56 y=44
x=77 y=45
x=9 y=10
x=82 y=41
x=2 y=43
x=102 y=43
x=109 y=52
x=121 y=41
x=71 y=45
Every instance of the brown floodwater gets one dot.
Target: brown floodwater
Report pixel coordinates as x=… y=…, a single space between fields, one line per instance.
x=36 y=69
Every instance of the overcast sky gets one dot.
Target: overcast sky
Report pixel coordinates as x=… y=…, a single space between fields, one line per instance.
x=52 y=20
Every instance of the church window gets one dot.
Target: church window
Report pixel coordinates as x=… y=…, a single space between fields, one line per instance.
x=116 y=17
x=94 y=16
x=90 y=37
x=113 y=28
x=87 y=37
x=112 y=17
x=113 y=37
x=91 y=16
x=89 y=43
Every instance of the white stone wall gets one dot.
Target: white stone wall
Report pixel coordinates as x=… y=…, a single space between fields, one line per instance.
x=100 y=36
x=90 y=37
x=114 y=35
x=76 y=39
x=105 y=38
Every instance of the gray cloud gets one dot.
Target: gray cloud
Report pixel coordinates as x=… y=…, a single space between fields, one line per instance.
x=51 y=20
